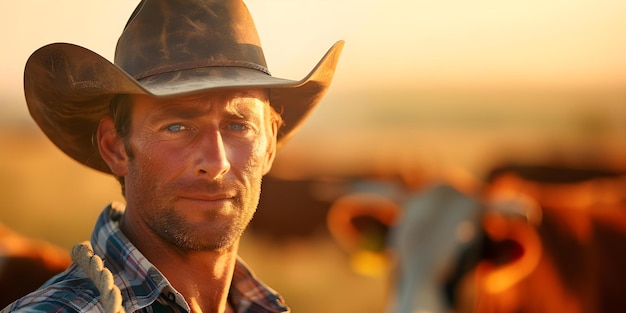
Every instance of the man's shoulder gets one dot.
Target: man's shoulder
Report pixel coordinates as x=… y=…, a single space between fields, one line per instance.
x=69 y=294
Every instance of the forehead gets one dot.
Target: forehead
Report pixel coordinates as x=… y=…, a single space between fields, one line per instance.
x=235 y=100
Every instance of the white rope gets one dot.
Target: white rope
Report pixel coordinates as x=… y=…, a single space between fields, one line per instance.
x=92 y=264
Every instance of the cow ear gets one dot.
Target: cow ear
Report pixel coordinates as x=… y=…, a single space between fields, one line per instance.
x=515 y=251
x=360 y=223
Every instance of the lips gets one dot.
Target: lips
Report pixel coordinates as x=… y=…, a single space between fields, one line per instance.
x=204 y=191
x=207 y=197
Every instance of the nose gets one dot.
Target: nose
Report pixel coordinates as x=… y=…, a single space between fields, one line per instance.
x=213 y=160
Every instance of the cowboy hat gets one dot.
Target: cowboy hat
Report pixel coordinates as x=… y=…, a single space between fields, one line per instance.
x=168 y=48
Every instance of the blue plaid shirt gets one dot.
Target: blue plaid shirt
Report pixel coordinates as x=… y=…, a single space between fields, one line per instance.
x=143 y=287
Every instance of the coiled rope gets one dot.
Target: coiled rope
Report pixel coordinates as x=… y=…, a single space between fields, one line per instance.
x=83 y=255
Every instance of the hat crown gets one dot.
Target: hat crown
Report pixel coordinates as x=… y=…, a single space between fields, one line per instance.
x=173 y=35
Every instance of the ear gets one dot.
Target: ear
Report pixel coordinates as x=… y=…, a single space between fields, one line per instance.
x=111 y=147
x=495 y=279
x=271 y=149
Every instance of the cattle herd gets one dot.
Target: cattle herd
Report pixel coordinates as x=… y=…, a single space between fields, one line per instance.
x=529 y=239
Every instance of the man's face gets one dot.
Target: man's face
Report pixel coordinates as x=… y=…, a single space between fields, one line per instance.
x=195 y=176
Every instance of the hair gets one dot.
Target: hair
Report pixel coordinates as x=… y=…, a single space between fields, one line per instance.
x=120 y=108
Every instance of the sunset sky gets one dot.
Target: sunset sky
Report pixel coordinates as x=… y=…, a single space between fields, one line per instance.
x=417 y=43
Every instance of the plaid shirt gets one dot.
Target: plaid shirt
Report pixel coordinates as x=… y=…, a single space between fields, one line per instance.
x=143 y=287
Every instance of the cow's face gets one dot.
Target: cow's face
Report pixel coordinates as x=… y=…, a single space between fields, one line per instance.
x=439 y=245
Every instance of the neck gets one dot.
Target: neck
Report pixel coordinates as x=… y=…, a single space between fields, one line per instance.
x=202 y=277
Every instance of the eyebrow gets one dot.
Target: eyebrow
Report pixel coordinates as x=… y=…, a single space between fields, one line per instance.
x=178 y=111
x=188 y=109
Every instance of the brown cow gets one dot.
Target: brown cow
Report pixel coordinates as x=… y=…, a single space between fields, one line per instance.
x=25 y=264
x=582 y=231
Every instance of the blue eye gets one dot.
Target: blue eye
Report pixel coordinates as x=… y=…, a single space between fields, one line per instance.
x=175 y=128
x=237 y=127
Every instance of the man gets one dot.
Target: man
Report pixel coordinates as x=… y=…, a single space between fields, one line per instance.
x=189 y=120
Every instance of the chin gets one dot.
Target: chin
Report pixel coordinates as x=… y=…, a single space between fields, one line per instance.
x=207 y=241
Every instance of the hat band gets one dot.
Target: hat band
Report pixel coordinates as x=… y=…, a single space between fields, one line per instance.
x=197 y=65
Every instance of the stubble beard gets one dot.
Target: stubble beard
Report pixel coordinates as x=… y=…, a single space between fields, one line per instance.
x=173 y=228
x=170 y=224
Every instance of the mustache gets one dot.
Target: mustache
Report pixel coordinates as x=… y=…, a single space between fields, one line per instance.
x=204 y=186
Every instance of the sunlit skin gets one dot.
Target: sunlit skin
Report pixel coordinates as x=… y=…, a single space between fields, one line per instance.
x=192 y=184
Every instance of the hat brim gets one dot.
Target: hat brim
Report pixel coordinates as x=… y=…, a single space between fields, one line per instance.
x=68 y=89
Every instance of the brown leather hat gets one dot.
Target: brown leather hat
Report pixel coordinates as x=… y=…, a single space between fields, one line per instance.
x=168 y=48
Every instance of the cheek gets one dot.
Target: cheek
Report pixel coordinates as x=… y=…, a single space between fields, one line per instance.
x=155 y=159
x=256 y=158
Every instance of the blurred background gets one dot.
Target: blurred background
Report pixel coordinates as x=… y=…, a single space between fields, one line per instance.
x=431 y=88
